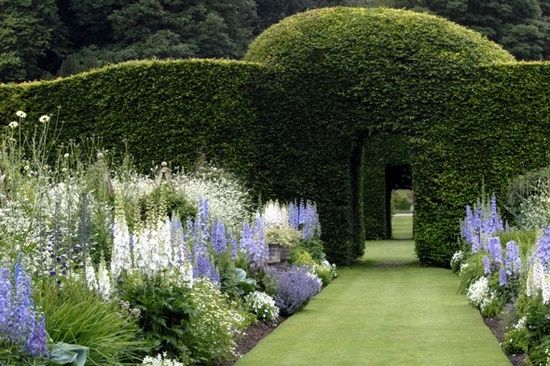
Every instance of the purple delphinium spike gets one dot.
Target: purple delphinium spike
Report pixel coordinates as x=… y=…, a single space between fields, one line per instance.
x=294 y=215
x=5 y=299
x=486 y=265
x=302 y=213
x=218 y=237
x=543 y=248
x=311 y=227
x=502 y=277
x=36 y=341
x=22 y=316
x=253 y=243
x=495 y=250
x=512 y=262
x=234 y=247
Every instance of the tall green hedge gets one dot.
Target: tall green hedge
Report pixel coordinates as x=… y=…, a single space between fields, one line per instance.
x=325 y=101
x=174 y=111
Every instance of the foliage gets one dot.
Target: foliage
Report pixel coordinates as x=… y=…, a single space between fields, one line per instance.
x=76 y=315
x=470 y=271
x=295 y=286
x=484 y=298
x=285 y=236
x=526 y=240
x=516 y=339
x=262 y=306
x=160 y=360
x=214 y=324
x=165 y=312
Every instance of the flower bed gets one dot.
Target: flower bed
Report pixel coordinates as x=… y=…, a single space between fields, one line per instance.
x=505 y=273
x=101 y=265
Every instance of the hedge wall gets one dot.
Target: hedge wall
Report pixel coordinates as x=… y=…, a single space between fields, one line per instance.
x=305 y=123
x=169 y=110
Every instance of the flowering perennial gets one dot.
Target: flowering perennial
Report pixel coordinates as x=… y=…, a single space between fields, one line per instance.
x=262 y=305
x=480 y=224
x=538 y=279
x=20 y=323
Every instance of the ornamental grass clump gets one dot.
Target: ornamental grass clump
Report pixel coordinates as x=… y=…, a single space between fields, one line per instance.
x=295 y=286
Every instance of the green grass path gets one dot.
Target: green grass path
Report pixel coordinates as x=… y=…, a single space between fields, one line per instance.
x=388 y=311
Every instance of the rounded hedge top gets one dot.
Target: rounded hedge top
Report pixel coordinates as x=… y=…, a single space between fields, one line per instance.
x=361 y=39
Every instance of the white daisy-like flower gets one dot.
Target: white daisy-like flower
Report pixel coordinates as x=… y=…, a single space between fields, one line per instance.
x=66 y=156
x=21 y=114
x=13 y=124
x=44 y=119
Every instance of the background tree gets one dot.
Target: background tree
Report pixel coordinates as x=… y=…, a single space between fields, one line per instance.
x=32 y=39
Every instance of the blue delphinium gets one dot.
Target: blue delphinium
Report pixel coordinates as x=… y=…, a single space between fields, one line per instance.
x=303 y=216
x=502 y=277
x=481 y=223
x=36 y=341
x=495 y=250
x=18 y=318
x=204 y=267
x=487 y=265
x=512 y=261
x=218 y=237
x=253 y=243
x=543 y=248
x=294 y=215
x=5 y=299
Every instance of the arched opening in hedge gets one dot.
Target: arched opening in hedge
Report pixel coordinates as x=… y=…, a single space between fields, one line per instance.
x=398 y=177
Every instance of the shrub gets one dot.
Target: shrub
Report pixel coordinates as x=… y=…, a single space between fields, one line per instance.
x=295 y=286
x=516 y=339
x=262 y=306
x=283 y=235
x=165 y=312
x=76 y=315
x=214 y=324
x=470 y=271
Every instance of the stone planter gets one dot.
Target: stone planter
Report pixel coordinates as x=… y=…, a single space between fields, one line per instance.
x=278 y=254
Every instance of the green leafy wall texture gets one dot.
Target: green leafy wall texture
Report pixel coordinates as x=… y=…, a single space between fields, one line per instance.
x=322 y=103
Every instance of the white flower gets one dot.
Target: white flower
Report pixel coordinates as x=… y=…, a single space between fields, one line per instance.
x=13 y=124
x=66 y=156
x=275 y=214
x=44 y=119
x=21 y=114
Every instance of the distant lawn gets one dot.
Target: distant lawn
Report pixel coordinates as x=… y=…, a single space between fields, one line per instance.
x=387 y=311
x=402 y=226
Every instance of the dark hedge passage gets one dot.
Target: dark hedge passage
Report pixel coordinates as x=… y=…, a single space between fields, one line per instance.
x=324 y=103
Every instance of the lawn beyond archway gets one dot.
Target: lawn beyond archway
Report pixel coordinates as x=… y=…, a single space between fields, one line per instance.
x=387 y=311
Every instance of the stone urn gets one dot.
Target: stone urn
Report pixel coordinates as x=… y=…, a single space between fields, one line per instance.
x=278 y=254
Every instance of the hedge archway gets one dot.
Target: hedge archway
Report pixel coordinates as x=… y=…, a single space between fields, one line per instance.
x=371 y=79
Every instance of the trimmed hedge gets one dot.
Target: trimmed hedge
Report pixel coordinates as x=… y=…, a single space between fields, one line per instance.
x=174 y=111
x=314 y=120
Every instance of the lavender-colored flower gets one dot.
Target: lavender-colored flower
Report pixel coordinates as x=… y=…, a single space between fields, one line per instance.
x=5 y=299
x=36 y=341
x=234 y=247
x=294 y=215
x=502 y=277
x=543 y=249
x=512 y=261
x=295 y=286
x=205 y=268
x=253 y=243
x=495 y=250
x=22 y=315
x=486 y=265
x=219 y=237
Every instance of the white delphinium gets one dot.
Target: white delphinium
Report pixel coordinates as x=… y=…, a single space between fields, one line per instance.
x=160 y=360
x=103 y=280
x=121 y=257
x=262 y=305
x=479 y=294
x=275 y=214
x=91 y=277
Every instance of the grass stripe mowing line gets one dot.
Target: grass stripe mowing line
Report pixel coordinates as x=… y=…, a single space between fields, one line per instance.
x=386 y=311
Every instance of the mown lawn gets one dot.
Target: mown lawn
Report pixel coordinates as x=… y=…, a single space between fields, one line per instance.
x=386 y=311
